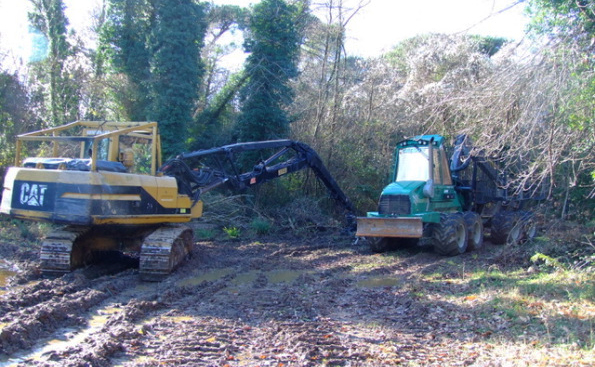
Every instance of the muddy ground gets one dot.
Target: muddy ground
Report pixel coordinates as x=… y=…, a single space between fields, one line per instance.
x=319 y=299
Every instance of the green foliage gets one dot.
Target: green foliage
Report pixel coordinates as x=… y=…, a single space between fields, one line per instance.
x=224 y=17
x=14 y=117
x=124 y=40
x=14 y=106
x=157 y=46
x=28 y=231
x=274 y=43
x=59 y=79
x=572 y=25
x=177 y=38
x=399 y=54
x=578 y=209
x=214 y=125
x=354 y=109
x=581 y=105
x=361 y=177
x=551 y=301
x=217 y=107
x=489 y=45
x=261 y=226
x=569 y=20
x=232 y=232
x=205 y=234
x=98 y=92
x=547 y=260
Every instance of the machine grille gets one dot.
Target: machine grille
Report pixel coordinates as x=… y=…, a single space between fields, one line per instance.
x=394 y=205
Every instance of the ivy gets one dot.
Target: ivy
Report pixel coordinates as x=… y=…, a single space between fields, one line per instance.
x=274 y=44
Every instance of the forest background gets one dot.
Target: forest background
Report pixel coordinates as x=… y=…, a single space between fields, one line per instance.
x=530 y=103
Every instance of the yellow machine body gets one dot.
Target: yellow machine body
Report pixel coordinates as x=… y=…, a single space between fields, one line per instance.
x=100 y=180
x=88 y=190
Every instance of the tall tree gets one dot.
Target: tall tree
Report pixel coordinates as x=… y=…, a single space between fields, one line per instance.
x=216 y=113
x=125 y=38
x=327 y=74
x=155 y=45
x=569 y=26
x=325 y=66
x=178 y=37
x=97 y=90
x=570 y=21
x=274 y=39
x=14 y=116
x=49 y=19
x=223 y=20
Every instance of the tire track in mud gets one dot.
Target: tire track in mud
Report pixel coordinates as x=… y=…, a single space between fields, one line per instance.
x=128 y=302
x=35 y=311
x=252 y=318
x=239 y=304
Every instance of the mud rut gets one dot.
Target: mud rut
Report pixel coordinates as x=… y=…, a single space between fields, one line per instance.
x=289 y=302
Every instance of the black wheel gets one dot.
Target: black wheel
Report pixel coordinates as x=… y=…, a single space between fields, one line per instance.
x=450 y=235
x=506 y=228
x=474 y=230
x=378 y=244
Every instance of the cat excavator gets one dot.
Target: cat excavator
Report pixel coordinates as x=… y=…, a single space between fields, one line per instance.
x=104 y=182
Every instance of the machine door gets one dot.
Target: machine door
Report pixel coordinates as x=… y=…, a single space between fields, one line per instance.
x=443 y=187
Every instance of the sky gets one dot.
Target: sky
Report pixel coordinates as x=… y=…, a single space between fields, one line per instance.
x=383 y=23
x=374 y=29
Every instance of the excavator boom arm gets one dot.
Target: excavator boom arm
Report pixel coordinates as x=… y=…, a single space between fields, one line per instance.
x=290 y=156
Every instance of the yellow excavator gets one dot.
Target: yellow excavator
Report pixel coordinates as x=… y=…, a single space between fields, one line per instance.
x=105 y=183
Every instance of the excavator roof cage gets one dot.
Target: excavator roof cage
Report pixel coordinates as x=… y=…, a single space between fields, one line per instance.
x=91 y=134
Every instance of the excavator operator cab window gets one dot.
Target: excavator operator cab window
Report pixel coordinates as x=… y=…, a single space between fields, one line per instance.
x=102 y=149
x=135 y=154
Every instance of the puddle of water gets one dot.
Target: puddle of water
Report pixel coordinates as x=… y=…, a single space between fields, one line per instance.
x=210 y=276
x=140 y=360
x=245 y=278
x=109 y=310
x=283 y=276
x=178 y=319
x=4 y=275
x=143 y=287
x=6 y=271
x=273 y=276
x=378 y=282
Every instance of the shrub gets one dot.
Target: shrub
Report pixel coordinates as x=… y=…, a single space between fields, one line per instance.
x=261 y=226
x=232 y=232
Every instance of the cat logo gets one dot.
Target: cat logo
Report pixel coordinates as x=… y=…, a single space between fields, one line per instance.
x=32 y=194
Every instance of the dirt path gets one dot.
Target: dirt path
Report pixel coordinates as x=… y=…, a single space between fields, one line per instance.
x=291 y=302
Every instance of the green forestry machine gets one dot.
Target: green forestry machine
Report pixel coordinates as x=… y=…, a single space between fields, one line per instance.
x=445 y=204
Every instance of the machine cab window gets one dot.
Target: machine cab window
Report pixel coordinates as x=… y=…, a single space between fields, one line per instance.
x=413 y=164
